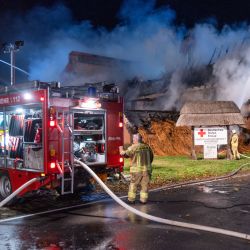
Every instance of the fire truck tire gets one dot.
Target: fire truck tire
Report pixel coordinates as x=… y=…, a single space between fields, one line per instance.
x=5 y=186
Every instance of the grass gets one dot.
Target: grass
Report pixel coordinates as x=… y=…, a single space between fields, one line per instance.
x=168 y=169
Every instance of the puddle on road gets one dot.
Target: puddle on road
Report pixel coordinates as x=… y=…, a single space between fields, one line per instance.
x=94 y=197
x=219 y=188
x=209 y=190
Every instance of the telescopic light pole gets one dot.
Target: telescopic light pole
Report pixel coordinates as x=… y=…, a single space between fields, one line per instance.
x=12 y=48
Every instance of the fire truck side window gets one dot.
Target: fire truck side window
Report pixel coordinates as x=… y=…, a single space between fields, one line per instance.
x=21 y=137
x=15 y=144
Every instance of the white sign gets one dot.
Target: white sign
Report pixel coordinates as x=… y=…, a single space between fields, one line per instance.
x=210 y=151
x=211 y=135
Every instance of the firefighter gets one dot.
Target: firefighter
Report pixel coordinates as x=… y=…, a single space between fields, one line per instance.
x=234 y=145
x=141 y=157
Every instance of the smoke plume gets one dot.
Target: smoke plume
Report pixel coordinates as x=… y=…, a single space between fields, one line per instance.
x=145 y=36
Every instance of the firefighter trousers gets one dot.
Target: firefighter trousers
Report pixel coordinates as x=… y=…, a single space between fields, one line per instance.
x=142 y=179
x=235 y=152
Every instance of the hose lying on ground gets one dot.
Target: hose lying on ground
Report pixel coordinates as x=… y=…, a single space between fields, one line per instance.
x=19 y=190
x=244 y=156
x=190 y=183
x=162 y=220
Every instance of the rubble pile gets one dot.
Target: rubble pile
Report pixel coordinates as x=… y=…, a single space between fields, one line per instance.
x=166 y=139
x=244 y=143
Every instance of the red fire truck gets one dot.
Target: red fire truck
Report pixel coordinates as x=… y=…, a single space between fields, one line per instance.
x=44 y=126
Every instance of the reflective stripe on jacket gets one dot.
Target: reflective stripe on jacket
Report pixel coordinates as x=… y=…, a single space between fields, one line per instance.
x=141 y=157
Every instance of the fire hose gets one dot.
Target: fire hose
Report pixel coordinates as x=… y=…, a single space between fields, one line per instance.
x=19 y=190
x=244 y=156
x=137 y=212
x=158 y=219
x=190 y=183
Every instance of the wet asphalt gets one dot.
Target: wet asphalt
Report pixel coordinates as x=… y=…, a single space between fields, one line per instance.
x=106 y=225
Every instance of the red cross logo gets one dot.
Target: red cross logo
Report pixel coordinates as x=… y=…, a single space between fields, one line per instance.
x=201 y=133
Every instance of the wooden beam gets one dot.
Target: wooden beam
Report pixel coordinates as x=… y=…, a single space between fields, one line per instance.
x=193 y=154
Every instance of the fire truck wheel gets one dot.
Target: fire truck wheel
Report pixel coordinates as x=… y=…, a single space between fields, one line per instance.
x=5 y=186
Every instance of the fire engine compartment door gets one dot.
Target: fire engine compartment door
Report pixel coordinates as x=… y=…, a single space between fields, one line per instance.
x=21 y=137
x=89 y=142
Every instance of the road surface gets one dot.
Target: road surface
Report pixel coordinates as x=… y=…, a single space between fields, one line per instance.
x=106 y=225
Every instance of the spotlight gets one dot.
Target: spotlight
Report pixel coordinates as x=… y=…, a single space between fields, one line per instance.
x=27 y=96
x=19 y=43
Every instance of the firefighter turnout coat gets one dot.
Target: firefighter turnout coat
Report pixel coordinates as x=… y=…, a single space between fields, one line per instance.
x=141 y=157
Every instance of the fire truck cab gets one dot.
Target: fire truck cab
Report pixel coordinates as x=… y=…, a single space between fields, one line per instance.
x=43 y=127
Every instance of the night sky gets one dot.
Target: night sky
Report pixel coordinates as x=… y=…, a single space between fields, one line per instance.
x=105 y=13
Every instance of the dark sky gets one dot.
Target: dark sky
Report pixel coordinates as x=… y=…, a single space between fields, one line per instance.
x=147 y=31
x=104 y=12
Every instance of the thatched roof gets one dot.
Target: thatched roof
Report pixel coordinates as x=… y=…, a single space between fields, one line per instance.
x=210 y=113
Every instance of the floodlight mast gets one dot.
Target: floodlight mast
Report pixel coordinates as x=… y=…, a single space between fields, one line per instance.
x=12 y=48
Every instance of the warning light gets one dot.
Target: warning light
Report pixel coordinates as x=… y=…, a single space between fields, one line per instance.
x=120 y=120
x=52 y=165
x=41 y=98
x=103 y=148
x=52 y=118
x=91 y=103
x=121 y=160
x=27 y=96
x=98 y=105
x=52 y=123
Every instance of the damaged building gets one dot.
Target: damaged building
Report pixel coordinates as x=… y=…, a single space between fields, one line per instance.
x=151 y=107
x=85 y=67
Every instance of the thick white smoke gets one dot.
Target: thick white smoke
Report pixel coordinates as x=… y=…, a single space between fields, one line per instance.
x=233 y=77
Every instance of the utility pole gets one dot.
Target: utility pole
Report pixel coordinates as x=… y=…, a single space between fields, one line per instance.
x=12 y=48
